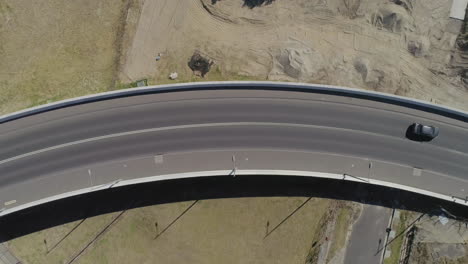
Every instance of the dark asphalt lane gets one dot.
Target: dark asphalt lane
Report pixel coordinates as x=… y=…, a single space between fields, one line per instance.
x=230 y=136
x=110 y=120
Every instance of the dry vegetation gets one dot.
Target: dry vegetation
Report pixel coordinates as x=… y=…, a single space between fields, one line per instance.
x=395 y=243
x=436 y=241
x=56 y=49
x=429 y=239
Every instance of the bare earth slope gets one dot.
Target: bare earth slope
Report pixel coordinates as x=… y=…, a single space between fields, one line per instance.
x=399 y=47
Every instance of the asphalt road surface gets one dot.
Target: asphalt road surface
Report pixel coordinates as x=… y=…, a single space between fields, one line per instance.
x=368 y=236
x=60 y=151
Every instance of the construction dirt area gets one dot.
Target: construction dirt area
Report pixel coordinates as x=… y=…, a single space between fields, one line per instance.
x=418 y=238
x=403 y=47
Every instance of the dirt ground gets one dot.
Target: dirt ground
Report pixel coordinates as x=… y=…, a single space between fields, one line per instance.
x=418 y=238
x=436 y=242
x=403 y=47
x=399 y=47
x=240 y=230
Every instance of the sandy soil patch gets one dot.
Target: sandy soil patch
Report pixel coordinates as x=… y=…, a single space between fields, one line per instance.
x=398 y=47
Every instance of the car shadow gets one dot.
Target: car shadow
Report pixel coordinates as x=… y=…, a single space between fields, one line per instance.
x=123 y=198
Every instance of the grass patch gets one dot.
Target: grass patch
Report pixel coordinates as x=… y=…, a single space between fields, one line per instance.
x=396 y=244
x=212 y=231
x=341 y=230
x=49 y=55
x=120 y=85
x=32 y=249
x=4 y=9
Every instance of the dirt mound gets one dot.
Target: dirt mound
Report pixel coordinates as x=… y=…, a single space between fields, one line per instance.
x=300 y=63
x=199 y=64
x=256 y=3
x=362 y=67
x=376 y=77
x=407 y=4
x=250 y=3
x=393 y=17
x=350 y=8
x=233 y=12
x=418 y=47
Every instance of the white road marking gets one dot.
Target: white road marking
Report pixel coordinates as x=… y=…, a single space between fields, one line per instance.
x=90 y=178
x=10 y=202
x=158 y=159
x=159 y=129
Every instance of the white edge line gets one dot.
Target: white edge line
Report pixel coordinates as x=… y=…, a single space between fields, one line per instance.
x=120 y=183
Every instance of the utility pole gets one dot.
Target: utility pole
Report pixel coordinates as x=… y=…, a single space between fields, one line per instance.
x=234 y=164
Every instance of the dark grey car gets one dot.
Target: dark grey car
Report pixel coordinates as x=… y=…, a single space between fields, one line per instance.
x=418 y=132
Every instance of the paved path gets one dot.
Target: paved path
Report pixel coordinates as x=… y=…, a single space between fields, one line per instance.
x=367 y=232
x=6 y=257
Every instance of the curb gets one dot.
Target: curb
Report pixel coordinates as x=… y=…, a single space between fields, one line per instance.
x=226 y=173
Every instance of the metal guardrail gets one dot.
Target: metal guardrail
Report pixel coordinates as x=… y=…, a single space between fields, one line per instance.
x=273 y=86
